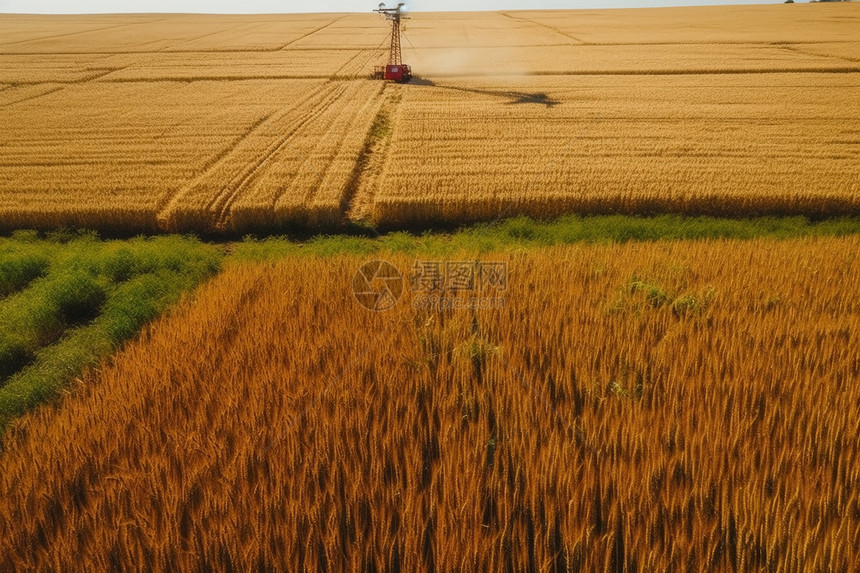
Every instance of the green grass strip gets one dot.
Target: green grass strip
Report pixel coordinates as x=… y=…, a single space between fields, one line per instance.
x=522 y=232
x=87 y=297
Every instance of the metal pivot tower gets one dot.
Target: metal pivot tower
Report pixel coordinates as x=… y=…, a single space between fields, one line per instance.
x=394 y=15
x=395 y=70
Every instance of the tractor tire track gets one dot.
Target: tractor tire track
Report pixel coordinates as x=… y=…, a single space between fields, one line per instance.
x=32 y=97
x=221 y=204
x=796 y=50
x=172 y=204
x=342 y=74
x=370 y=55
x=291 y=190
x=344 y=141
x=169 y=203
x=369 y=172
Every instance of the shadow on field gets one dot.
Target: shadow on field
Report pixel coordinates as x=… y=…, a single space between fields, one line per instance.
x=515 y=97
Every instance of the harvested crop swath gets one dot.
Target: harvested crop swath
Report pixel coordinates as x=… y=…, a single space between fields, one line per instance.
x=642 y=407
x=292 y=167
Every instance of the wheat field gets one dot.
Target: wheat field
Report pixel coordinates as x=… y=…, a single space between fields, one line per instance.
x=244 y=123
x=637 y=407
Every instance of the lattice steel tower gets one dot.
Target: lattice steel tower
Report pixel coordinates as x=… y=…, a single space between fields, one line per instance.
x=396 y=69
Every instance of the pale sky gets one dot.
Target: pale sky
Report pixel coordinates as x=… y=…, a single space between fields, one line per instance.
x=274 y=6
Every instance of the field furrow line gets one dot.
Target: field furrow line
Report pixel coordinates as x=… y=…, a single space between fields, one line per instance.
x=100 y=74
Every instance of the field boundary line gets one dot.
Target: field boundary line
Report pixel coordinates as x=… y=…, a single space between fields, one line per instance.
x=714 y=43
x=75 y=34
x=168 y=50
x=231 y=51
x=309 y=34
x=706 y=72
x=666 y=72
x=190 y=79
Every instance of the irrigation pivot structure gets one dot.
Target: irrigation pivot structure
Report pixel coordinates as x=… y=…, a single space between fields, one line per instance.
x=395 y=69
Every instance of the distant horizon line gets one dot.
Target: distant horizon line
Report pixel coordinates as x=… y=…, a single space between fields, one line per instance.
x=653 y=5
x=601 y=7
x=421 y=11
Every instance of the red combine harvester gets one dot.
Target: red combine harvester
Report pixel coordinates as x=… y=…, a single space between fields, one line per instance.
x=395 y=69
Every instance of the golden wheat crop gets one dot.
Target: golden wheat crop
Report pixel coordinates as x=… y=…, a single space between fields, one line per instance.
x=233 y=123
x=666 y=406
x=724 y=145
x=293 y=165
